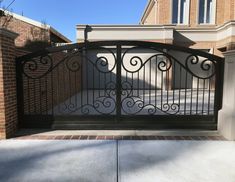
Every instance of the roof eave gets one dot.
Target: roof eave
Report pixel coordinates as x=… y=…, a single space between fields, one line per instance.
x=54 y=31
x=37 y=24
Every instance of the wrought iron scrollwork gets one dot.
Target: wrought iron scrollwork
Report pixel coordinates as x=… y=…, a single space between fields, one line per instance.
x=110 y=89
x=102 y=62
x=163 y=61
x=127 y=89
x=134 y=105
x=206 y=65
x=37 y=67
x=120 y=78
x=73 y=63
x=172 y=108
x=104 y=104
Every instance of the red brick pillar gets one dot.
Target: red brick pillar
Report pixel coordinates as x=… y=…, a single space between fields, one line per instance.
x=8 y=102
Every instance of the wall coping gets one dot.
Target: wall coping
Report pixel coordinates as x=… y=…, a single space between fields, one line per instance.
x=214 y=34
x=128 y=27
x=8 y=33
x=125 y=32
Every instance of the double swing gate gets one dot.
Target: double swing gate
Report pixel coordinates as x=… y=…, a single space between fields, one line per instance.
x=119 y=84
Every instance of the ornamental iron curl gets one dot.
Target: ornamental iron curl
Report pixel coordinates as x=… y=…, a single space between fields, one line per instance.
x=110 y=89
x=206 y=65
x=134 y=105
x=162 y=59
x=37 y=67
x=102 y=62
x=104 y=104
x=127 y=88
x=73 y=64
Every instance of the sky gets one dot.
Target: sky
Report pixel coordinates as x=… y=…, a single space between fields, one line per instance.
x=64 y=15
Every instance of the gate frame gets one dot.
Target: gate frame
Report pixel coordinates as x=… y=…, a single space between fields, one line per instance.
x=121 y=121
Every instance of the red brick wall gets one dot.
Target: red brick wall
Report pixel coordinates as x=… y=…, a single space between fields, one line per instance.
x=27 y=33
x=53 y=88
x=8 y=103
x=43 y=95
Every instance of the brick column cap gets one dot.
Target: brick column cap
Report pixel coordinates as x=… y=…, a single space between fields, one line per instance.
x=8 y=33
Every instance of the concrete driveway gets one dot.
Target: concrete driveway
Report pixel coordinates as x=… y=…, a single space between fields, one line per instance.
x=101 y=161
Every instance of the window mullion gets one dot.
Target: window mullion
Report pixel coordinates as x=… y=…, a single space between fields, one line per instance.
x=185 y=15
x=179 y=11
x=205 y=12
x=211 y=11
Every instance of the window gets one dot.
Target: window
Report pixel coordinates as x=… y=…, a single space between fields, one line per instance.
x=180 y=11
x=206 y=11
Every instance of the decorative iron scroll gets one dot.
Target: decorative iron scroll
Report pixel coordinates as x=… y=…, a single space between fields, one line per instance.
x=133 y=105
x=206 y=65
x=32 y=67
x=103 y=62
x=39 y=67
x=73 y=64
x=105 y=104
x=163 y=61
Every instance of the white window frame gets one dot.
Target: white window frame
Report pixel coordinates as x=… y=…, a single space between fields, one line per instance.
x=213 y=14
x=187 y=12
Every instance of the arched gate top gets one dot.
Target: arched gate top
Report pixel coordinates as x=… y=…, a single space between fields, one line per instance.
x=141 y=44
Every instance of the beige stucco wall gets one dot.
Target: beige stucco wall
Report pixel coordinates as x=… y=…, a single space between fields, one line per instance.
x=226 y=118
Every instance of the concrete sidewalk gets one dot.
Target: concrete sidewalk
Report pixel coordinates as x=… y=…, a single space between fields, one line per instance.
x=101 y=161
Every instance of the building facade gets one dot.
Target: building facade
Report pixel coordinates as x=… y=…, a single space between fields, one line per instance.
x=207 y=25
x=190 y=13
x=195 y=22
x=33 y=35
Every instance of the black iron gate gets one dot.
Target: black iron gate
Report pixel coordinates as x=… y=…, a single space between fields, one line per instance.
x=119 y=84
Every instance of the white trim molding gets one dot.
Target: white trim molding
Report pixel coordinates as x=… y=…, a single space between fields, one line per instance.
x=125 y=32
x=156 y=32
